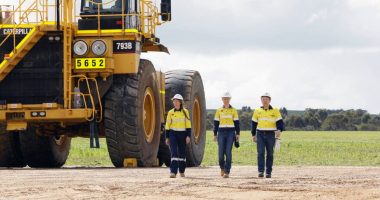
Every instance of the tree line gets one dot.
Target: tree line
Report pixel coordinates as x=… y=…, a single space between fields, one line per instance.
x=313 y=120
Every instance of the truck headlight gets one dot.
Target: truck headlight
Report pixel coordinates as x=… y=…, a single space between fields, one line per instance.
x=98 y=47
x=80 y=48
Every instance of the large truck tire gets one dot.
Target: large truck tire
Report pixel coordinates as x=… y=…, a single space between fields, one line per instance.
x=189 y=84
x=132 y=117
x=44 y=151
x=10 y=152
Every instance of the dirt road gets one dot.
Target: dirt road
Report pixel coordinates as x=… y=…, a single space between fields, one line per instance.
x=200 y=183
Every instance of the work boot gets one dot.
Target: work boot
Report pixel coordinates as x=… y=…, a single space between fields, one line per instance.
x=222 y=172
x=172 y=175
x=261 y=175
x=226 y=175
x=182 y=175
x=268 y=176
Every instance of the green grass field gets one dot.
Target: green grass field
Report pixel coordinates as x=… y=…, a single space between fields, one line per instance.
x=297 y=148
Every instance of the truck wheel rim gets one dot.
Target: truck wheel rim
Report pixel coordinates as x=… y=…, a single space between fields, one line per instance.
x=149 y=114
x=59 y=140
x=196 y=120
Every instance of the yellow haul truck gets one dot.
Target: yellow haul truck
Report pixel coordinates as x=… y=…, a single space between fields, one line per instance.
x=73 y=69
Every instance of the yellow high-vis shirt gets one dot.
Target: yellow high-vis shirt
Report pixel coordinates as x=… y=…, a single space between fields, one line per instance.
x=266 y=119
x=177 y=120
x=226 y=117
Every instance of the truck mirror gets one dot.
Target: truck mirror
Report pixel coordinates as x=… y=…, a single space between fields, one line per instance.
x=166 y=10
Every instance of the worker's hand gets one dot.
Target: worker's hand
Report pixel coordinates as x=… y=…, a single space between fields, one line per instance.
x=237 y=138
x=254 y=139
x=277 y=134
x=167 y=141
x=215 y=138
x=187 y=140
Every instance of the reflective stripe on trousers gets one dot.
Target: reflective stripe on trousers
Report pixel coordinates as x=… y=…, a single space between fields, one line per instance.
x=179 y=159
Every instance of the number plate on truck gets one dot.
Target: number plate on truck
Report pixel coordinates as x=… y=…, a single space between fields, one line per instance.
x=126 y=46
x=90 y=63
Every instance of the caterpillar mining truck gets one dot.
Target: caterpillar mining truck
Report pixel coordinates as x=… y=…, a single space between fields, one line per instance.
x=74 y=69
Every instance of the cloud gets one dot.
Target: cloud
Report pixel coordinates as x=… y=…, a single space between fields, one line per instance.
x=320 y=54
x=216 y=27
x=296 y=79
x=315 y=17
x=366 y=4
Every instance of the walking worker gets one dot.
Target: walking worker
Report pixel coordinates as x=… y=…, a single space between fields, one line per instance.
x=267 y=125
x=178 y=131
x=226 y=131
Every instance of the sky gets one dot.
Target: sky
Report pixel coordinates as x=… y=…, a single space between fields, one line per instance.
x=306 y=53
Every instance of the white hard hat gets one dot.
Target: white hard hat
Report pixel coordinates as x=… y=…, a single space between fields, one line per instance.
x=226 y=95
x=177 y=96
x=266 y=94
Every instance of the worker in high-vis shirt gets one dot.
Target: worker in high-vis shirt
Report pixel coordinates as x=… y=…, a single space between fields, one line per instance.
x=226 y=131
x=178 y=131
x=267 y=125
